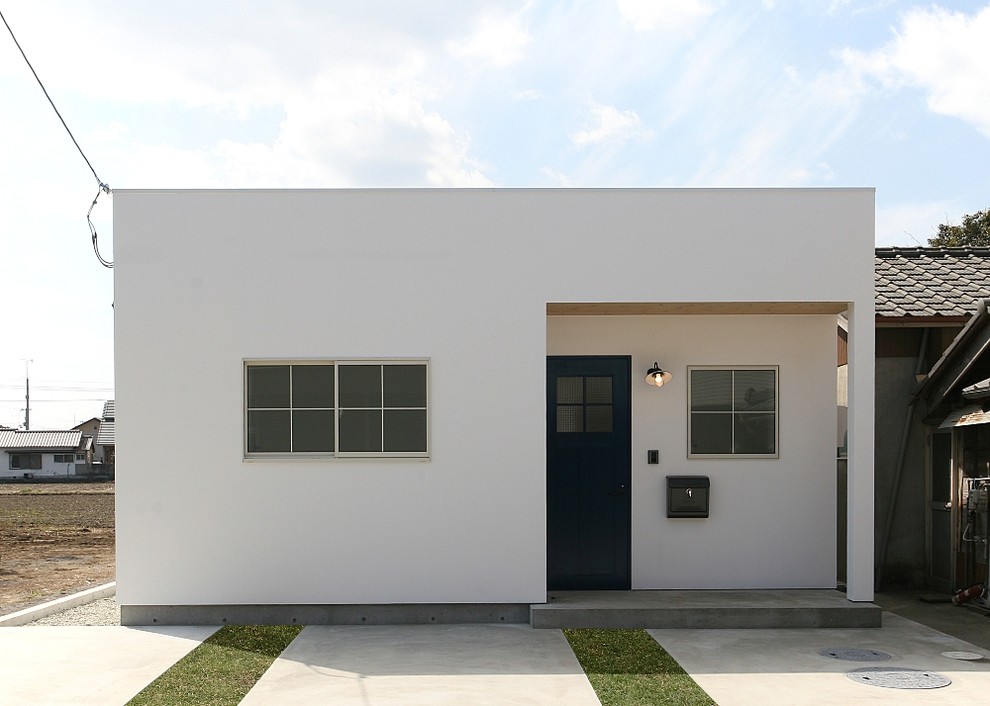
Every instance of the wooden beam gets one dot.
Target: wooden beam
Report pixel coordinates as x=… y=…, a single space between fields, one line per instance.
x=691 y=308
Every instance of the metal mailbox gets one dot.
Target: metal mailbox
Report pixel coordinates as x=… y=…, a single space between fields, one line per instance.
x=687 y=496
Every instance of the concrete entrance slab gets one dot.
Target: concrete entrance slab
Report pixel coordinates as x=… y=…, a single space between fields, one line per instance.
x=803 y=608
x=757 y=667
x=87 y=666
x=425 y=664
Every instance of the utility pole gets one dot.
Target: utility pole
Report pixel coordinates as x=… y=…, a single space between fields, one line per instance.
x=27 y=393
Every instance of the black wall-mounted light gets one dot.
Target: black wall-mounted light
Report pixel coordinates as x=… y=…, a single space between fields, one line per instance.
x=657 y=377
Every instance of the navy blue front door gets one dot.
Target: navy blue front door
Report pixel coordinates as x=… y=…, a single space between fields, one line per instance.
x=588 y=472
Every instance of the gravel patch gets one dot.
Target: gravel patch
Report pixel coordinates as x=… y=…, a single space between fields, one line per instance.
x=102 y=611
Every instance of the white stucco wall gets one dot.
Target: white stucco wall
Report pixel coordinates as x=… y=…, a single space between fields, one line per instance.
x=206 y=279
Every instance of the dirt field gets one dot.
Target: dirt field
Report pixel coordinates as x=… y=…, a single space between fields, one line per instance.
x=55 y=539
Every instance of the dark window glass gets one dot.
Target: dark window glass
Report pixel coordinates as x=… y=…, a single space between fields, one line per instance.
x=711 y=433
x=360 y=386
x=359 y=429
x=405 y=430
x=25 y=462
x=598 y=418
x=405 y=385
x=754 y=434
x=754 y=390
x=570 y=390
x=312 y=386
x=312 y=430
x=570 y=418
x=598 y=390
x=268 y=386
x=268 y=431
x=711 y=390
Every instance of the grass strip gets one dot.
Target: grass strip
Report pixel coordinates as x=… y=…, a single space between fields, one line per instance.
x=222 y=670
x=629 y=668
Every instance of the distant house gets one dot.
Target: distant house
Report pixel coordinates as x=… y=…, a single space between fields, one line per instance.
x=932 y=355
x=27 y=454
x=91 y=428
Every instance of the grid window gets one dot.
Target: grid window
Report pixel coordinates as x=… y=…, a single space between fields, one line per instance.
x=733 y=412
x=382 y=408
x=342 y=408
x=584 y=404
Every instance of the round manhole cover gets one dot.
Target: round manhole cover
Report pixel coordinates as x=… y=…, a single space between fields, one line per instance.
x=899 y=678
x=855 y=654
x=969 y=656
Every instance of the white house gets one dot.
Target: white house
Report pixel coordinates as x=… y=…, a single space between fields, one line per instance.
x=37 y=454
x=438 y=397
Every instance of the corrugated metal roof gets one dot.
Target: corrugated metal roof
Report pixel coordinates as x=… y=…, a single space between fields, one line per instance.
x=930 y=282
x=105 y=436
x=977 y=391
x=40 y=440
x=965 y=416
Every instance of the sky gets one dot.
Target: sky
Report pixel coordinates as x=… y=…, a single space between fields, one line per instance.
x=455 y=93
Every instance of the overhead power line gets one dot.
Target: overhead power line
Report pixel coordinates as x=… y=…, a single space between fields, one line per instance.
x=104 y=187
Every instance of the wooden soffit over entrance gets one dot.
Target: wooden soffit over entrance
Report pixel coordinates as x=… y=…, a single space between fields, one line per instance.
x=694 y=308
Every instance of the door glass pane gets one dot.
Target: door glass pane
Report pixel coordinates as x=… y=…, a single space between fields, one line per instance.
x=598 y=390
x=405 y=385
x=711 y=390
x=598 y=418
x=405 y=430
x=755 y=390
x=570 y=418
x=268 y=431
x=570 y=390
x=754 y=434
x=312 y=430
x=268 y=386
x=359 y=429
x=711 y=433
x=360 y=385
x=312 y=386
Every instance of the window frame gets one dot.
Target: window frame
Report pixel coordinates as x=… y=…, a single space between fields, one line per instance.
x=337 y=363
x=733 y=411
x=31 y=457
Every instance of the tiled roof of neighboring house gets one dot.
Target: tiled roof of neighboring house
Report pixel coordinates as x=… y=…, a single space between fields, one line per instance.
x=40 y=440
x=105 y=436
x=930 y=282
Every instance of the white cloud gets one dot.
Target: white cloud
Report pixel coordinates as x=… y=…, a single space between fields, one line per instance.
x=942 y=53
x=608 y=124
x=498 y=41
x=356 y=101
x=646 y=15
